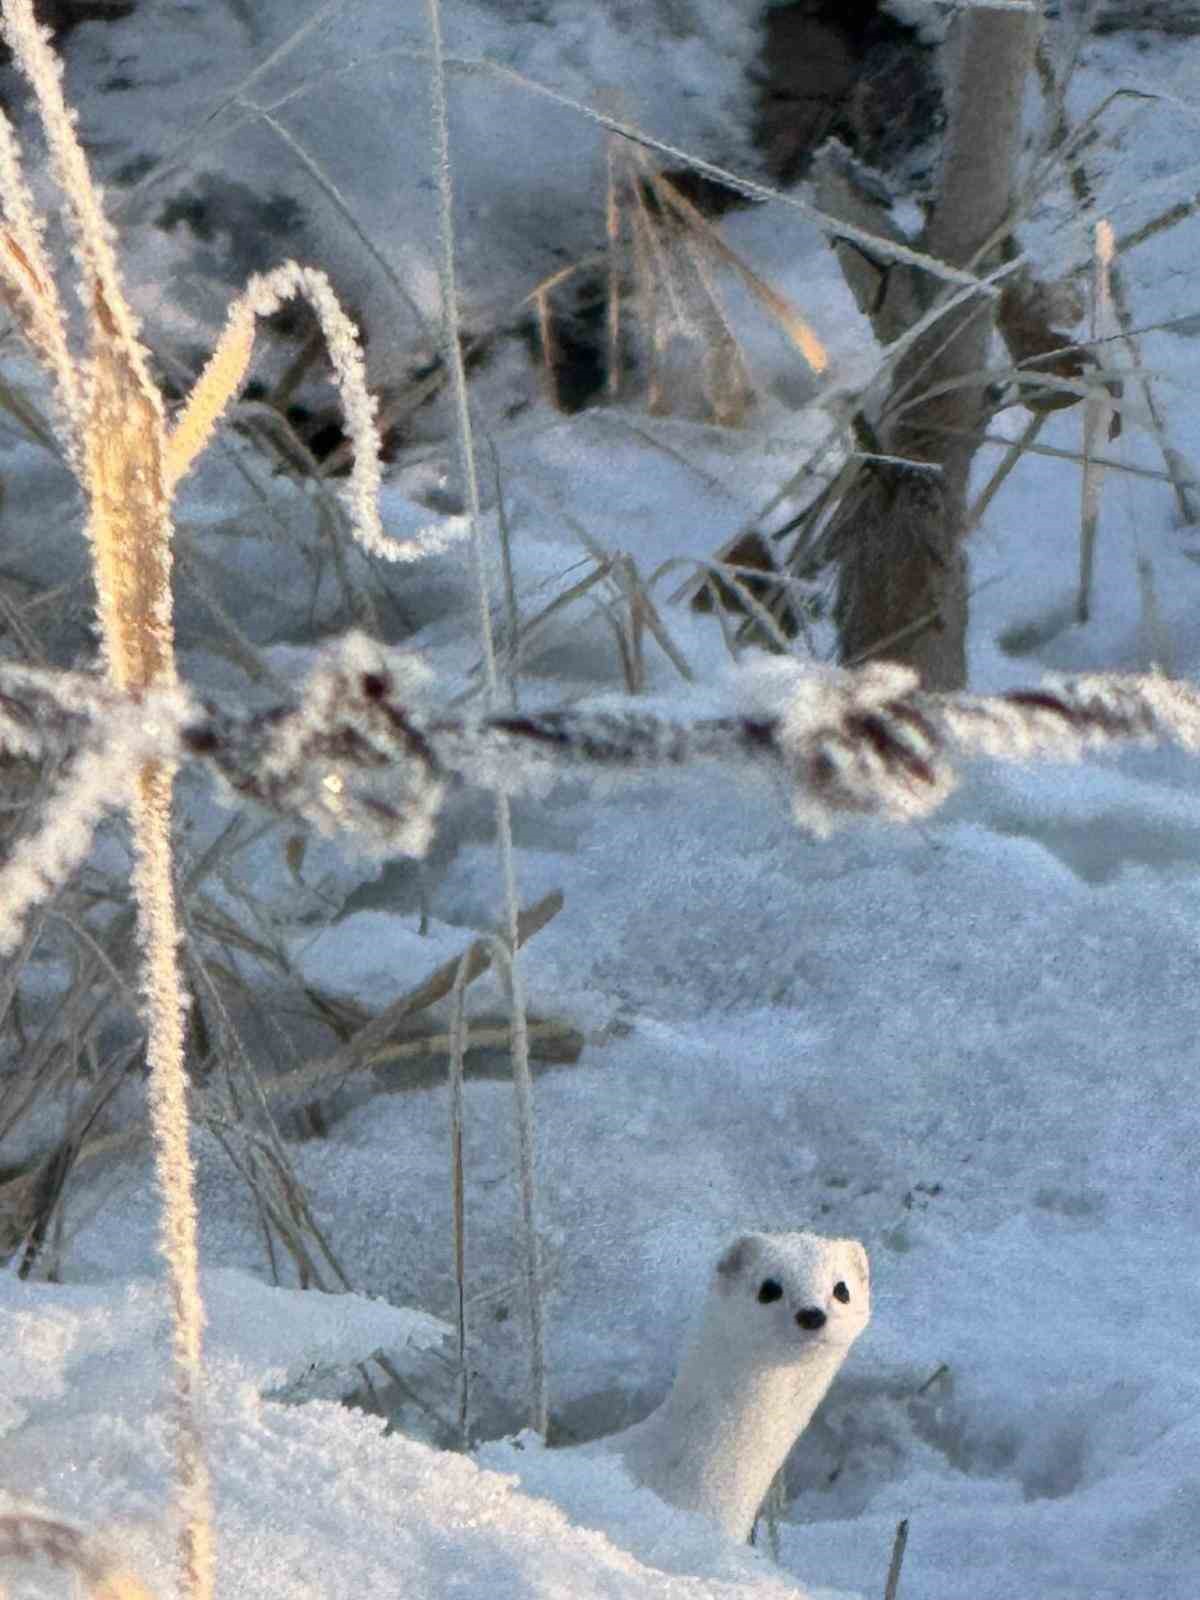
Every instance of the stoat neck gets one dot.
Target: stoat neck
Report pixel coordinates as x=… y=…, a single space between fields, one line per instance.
x=724 y=1430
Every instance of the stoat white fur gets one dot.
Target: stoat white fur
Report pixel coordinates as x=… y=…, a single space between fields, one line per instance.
x=781 y=1314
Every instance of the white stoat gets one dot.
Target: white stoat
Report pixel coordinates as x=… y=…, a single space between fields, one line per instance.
x=782 y=1312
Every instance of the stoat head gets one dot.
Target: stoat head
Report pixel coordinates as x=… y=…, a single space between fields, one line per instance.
x=787 y=1293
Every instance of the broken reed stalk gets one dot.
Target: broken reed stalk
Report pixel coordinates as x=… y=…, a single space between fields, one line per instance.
x=1095 y=413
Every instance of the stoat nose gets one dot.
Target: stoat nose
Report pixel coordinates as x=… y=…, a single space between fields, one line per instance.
x=811 y=1318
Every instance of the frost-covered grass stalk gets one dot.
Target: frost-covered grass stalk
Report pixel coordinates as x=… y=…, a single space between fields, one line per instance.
x=522 y=1077
x=112 y=422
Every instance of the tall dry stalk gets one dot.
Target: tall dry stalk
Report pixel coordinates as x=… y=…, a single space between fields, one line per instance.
x=509 y=948
x=117 y=445
x=113 y=424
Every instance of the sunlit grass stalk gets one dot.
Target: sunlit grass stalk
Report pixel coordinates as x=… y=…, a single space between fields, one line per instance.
x=112 y=422
x=118 y=446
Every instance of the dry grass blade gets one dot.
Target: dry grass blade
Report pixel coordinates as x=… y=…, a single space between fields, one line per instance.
x=28 y=289
x=53 y=1173
x=115 y=435
x=682 y=256
x=221 y=379
x=553 y=1042
x=1162 y=223
x=668 y=259
x=1068 y=146
x=718 y=580
x=643 y=615
x=778 y=305
x=417 y=1052
x=1110 y=463
x=1055 y=82
x=612 y=229
x=187 y=141
x=646 y=295
x=26 y=415
x=356 y=1056
x=1182 y=476
x=517 y=649
x=638 y=611
x=237 y=1113
x=1016 y=449
x=41 y=1069
x=379 y=255
x=551 y=349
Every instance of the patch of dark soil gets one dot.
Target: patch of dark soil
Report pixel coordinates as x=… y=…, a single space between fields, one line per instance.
x=844 y=69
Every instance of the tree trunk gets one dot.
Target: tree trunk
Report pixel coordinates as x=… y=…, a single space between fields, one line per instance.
x=902 y=590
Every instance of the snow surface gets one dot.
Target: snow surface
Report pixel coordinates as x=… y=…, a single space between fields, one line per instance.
x=970 y=1043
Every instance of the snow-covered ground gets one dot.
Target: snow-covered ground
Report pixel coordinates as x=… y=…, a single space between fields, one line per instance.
x=969 y=1042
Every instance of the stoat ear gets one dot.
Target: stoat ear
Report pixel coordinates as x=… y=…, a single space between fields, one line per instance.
x=861 y=1261
x=735 y=1261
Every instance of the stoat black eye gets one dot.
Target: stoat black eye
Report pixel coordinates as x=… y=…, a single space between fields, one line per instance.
x=770 y=1289
x=840 y=1292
